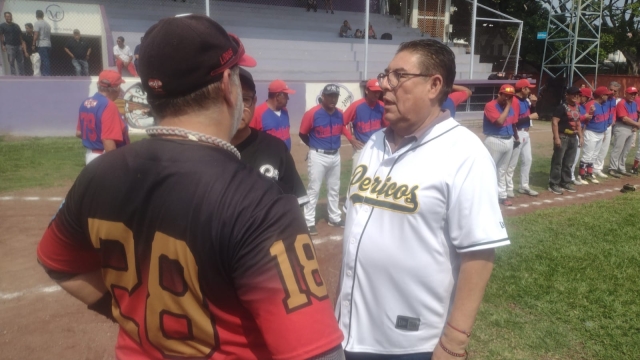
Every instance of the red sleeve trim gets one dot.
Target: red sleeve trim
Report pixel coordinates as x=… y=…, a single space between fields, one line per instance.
x=621 y=110
x=256 y=121
x=307 y=120
x=59 y=253
x=491 y=112
x=111 y=123
x=458 y=97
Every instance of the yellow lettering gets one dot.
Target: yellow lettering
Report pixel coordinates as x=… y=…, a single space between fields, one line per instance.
x=364 y=184
x=401 y=191
x=390 y=189
x=358 y=174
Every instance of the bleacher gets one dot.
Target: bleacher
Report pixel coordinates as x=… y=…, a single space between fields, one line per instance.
x=288 y=42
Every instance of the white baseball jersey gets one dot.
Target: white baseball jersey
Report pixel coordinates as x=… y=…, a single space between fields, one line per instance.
x=409 y=215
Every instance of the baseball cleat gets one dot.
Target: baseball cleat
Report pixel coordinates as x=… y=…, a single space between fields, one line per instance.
x=623 y=172
x=583 y=180
x=505 y=202
x=528 y=191
x=601 y=174
x=613 y=173
x=634 y=171
x=577 y=182
x=313 y=230
x=568 y=187
x=510 y=194
x=556 y=189
x=337 y=224
x=592 y=178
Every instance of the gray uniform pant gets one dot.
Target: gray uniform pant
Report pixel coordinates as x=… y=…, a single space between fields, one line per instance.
x=500 y=150
x=623 y=135
x=598 y=164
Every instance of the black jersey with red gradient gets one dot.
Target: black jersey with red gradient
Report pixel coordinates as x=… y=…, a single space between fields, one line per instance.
x=569 y=116
x=270 y=155
x=205 y=257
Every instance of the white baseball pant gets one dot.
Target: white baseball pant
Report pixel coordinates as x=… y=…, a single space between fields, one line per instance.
x=593 y=143
x=523 y=151
x=356 y=157
x=321 y=166
x=89 y=156
x=500 y=150
x=623 y=135
x=598 y=164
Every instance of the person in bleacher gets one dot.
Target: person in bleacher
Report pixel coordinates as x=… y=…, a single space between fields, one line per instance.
x=344 y=30
x=312 y=4
x=372 y=33
x=328 y=4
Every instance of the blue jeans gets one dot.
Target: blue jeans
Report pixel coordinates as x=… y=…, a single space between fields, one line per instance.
x=82 y=67
x=45 y=64
x=16 y=59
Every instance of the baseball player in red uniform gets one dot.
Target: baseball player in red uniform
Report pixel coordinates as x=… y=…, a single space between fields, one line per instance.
x=365 y=117
x=458 y=95
x=195 y=254
x=272 y=116
x=636 y=160
x=321 y=129
x=499 y=118
x=100 y=125
x=595 y=125
x=623 y=131
x=586 y=96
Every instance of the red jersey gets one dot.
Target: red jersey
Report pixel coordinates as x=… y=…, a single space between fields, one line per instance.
x=205 y=257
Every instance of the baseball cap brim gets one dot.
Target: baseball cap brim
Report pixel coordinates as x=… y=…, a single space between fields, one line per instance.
x=374 y=88
x=247 y=61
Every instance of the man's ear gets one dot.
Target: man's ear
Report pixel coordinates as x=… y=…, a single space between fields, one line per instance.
x=226 y=88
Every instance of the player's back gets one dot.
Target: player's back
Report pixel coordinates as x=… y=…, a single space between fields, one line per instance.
x=197 y=250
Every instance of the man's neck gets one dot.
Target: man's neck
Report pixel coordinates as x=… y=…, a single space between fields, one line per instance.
x=521 y=95
x=212 y=122
x=271 y=103
x=371 y=103
x=330 y=111
x=399 y=136
x=241 y=135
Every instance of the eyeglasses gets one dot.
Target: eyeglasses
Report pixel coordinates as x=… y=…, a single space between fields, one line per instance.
x=394 y=77
x=248 y=100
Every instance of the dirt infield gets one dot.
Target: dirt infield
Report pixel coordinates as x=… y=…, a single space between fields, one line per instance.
x=37 y=320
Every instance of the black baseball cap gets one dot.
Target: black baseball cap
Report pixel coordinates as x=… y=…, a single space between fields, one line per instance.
x=573 y=91
x=183 y=54
x=247 y=80
x=331 y=89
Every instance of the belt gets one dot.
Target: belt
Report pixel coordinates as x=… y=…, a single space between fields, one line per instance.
x=523 y=129
x=326 y=152
x=97 y=151
x=502 y=137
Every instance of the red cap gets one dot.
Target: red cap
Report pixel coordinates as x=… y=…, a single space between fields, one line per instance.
x=373 y=85
x=110 y=78
x=524 y=83
x=279 y=86
x=507 y=90
x=195 y=52
x=602 y=90
x=587 y=93
x=632 y=90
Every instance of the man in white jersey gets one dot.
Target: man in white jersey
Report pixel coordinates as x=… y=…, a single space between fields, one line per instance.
x=418 y=244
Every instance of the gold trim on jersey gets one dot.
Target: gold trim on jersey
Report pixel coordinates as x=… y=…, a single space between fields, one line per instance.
x=386 y=194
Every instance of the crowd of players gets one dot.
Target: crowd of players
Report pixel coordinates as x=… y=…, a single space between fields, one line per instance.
x=585 y=120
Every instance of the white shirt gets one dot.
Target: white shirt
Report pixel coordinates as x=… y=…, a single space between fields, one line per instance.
x=124 y=54
x=401 y=248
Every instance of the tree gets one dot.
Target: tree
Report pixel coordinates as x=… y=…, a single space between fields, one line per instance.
x=622 y=24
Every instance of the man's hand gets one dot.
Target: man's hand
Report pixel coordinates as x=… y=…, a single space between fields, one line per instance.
x=557 y=142
x=533 y=98
x=581 y=143
x=534 y=116
x=588 y=117
x=4 y=48
x=356 y=144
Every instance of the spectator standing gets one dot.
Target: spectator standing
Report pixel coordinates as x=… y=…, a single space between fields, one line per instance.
x=79 y=52
x=458 y=95
x=27 y=38
x=328 y=4
x=42 y=41
x=497 y=125
x=625 y=127
x=422 y=221
x=320 y=130
x=123 y=57
x=12 y=44
x=264 y=152
x=522 y=107
x=365 y=117
x=272 y=116
x=595 y=128
x=100 y=125
x=567 y=137
x=344 y=30
x=136 y=55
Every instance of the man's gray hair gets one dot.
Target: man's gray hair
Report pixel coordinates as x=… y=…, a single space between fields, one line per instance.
x=614 y=84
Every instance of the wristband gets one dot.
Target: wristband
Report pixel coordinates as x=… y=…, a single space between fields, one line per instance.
x=465 y=354
x=468 y=333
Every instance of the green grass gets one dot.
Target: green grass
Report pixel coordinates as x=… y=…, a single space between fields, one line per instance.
x=40 y=162
x=567 y=287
